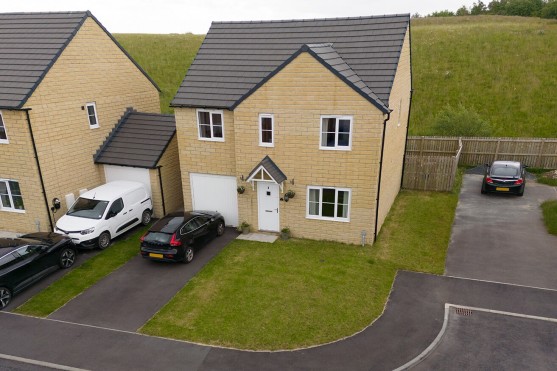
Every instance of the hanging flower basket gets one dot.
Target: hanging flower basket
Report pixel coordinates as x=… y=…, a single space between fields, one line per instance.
x=241 y=189
x=290 y=193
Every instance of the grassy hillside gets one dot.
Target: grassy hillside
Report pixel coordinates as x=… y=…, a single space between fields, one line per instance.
x=504 y=68
x=166 y=58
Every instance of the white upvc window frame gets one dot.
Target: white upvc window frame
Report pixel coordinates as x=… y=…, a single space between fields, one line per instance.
x=3 y=125
x=211 y=113
x=320 y=205
x=10 y=196
x=94 y=105
x=261 y=117
x=337 y=118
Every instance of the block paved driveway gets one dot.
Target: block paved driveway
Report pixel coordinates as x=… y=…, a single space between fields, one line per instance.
x=502 y=238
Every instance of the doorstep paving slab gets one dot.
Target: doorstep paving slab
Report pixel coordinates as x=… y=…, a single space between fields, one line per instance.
x=128 y=297
x=259 y=237
x=500 y=237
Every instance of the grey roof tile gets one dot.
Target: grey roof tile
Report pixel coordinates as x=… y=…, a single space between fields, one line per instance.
x=30 y=43
x=138 y=140
x=243 y=54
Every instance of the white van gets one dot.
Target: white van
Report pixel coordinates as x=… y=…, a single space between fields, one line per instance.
x=105 y=212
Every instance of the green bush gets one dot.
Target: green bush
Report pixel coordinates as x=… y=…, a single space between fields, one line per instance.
x=460 y=122
x=550 y=216
x=550 y=10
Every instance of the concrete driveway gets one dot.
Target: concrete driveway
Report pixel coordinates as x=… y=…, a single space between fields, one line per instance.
x=502 y=238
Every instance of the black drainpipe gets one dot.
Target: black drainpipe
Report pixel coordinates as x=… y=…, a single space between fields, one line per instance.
x=162 y=190
x=380 y=172
x=39 y=168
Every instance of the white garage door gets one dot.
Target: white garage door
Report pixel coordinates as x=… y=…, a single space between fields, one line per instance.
x=215 y=193
x=112 y=173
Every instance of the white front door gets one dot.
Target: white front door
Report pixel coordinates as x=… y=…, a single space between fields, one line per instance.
x=268 y=206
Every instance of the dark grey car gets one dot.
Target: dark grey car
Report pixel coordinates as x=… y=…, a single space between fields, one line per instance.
x=29 y=258
x=504 y=177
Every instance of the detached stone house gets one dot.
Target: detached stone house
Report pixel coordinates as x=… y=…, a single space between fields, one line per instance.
x=316 y=107
x=65 y=82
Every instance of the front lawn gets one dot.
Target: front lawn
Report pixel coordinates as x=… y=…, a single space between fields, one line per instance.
x=549 y=209
x=81 y=278
x=299 y=293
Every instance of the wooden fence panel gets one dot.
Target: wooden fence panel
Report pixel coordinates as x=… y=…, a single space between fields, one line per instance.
x=535 y=152
x=432 y=173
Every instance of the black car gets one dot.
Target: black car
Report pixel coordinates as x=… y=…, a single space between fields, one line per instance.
x=176 y=236
x=504 y=177
x=29 y=258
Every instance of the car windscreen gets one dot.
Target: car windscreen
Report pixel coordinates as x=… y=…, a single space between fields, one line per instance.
x=158 y=238
x=87 y=208
x=504 y=171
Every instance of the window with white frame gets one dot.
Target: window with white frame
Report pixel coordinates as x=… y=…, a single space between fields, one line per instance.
x=210 y=125
x=336 y=132
x=266 y=130
x=3 y=133
x=10 y=196
x=328 y=203
x=92 y=115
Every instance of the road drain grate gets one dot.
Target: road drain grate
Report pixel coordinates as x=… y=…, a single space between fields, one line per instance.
x=463 y=311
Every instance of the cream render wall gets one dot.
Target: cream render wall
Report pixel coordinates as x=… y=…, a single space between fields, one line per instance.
x=297 y=97
x=92 y=68
x=200 y=156
x=17 y=163
x=172 y=182
x=395 y=137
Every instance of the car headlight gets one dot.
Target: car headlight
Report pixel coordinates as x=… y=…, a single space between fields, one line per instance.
x=88 y=231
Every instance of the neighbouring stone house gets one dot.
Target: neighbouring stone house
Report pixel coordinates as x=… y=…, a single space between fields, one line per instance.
x=65 y=82
x=317 y=107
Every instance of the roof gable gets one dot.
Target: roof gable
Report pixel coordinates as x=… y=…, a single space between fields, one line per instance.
x=138 y=140
x=236 y=56
x=329 y=58
x=30 y=44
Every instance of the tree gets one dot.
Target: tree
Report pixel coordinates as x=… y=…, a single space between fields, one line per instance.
x=463 y=10
x=478 y=8
x=524 y=8
x=550 y=10
x=497 y=7
x=460 y=122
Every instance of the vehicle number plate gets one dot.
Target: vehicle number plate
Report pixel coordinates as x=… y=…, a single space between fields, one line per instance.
x=502 y=189
x=160 y=256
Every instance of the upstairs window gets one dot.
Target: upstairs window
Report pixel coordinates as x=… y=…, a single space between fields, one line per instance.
x=210 y=125
x=336 y=132
x=3 y=134
x=10 y=196
x=266 y=130
x=92 y=115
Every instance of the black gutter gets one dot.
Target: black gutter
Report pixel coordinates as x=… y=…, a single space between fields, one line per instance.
x=162 y=190
x=380 y=173
x=39 y=168
x=409 y=104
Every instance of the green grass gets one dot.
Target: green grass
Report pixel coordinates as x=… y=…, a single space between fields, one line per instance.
x=549 y=209
x=79 y=279
x=165 y=58
x=298 y=293
x=544 y=176
x=502 y=67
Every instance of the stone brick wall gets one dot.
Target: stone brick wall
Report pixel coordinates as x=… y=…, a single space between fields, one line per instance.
x=395 y=137
x=172 y=181
x=91 y=69
x=199 y=156
x=17 y=163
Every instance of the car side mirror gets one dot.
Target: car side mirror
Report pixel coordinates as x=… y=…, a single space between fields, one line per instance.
x=486 y=165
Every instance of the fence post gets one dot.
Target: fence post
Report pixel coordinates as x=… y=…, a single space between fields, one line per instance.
x=497 y=150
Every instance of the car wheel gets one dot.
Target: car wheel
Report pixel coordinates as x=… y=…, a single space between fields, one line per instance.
x=483 y=190
x=5 y=297
x=104 y=240
x=188 y=255
x=146 y=217
x=520 y=194
x=67 y=258
x=220 y=228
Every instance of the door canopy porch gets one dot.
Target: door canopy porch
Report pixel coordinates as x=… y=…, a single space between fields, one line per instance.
x=267 y=171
